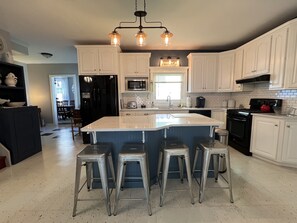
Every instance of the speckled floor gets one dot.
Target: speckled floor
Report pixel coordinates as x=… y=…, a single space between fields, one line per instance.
x=40 y=189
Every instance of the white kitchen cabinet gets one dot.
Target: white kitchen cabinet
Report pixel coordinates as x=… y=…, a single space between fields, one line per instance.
x=289 y=153
x=202 y=72
x=238 y=69
x=278 y=58
x=265 y=137
x=226 y=71
x=291 y=62
x=95 y=59
x=135 y=64
x=219 y=115
x=257 y=56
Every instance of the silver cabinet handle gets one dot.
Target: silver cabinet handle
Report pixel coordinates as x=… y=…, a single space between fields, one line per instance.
x=288 y=126
x=276 y=125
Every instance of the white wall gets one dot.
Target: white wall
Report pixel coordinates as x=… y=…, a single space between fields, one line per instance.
x=39 y=88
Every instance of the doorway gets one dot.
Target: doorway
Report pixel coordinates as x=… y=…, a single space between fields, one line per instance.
x=64 y=95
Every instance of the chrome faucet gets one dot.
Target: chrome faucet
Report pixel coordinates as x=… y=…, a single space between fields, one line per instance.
x=169 y=101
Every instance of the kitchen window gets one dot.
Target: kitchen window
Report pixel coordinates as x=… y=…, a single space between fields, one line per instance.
x=169 y=84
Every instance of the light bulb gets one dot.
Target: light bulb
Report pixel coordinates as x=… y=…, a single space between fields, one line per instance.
x=140 y=38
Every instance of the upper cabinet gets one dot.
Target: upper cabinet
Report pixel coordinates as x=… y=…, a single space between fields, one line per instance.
x=15 y=93
x=278 y=58
x=135 y=64
x=226 y=71
x=291 y=62
x=257 y=56
x=202 y=72
x=98 y=59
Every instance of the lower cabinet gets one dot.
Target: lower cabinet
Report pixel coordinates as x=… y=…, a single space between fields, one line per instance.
x=289 y=153
x=274 y=138
x=265 y=132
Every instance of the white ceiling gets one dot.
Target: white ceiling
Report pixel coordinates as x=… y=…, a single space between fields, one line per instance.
x=55 y=26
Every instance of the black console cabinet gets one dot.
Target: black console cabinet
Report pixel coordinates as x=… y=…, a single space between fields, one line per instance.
x=20 y=132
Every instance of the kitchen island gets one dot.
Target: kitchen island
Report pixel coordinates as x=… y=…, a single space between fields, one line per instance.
x=150 y=130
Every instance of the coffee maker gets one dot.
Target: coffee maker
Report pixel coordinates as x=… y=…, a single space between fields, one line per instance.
x=200 y=102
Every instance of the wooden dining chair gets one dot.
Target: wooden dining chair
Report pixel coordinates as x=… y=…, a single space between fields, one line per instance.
x=76 y=121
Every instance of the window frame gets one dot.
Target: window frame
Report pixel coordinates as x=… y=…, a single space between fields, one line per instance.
x=183 y=71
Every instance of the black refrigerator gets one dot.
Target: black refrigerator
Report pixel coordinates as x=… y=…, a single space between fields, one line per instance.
x=99 y=98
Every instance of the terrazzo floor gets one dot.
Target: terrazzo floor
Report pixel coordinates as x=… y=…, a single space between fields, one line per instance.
x=40 y=189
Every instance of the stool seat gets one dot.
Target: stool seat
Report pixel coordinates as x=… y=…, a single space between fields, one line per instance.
x=133 y=152
x=98 y=153
x=215 y=148
x=173 y=148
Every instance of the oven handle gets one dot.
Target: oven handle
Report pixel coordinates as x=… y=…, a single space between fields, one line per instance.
x=240 y=120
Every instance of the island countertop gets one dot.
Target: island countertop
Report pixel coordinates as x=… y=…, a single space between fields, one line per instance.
x=148 y=122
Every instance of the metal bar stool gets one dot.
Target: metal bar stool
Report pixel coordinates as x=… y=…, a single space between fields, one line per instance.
x=98 y=153
x=133 y=152
x=169 y=148
x=215 y=148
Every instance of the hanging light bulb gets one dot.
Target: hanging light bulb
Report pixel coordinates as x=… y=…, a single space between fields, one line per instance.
x=140 y=38
x=166 y=36
x=115 y=38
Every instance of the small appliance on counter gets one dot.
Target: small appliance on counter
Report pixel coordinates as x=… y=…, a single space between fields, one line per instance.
x=188 y=102
x=200 y=102
x=131 y=104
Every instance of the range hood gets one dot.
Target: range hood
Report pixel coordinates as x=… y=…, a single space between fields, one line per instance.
x=254 y=79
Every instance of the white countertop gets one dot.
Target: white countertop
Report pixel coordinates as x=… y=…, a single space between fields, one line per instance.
x=148 y=122
x=171 y=109
x=279 y=116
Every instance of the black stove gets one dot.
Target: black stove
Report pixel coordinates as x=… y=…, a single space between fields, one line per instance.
x=239 y=122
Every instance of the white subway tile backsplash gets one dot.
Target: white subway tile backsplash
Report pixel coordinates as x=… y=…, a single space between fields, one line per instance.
x=215 y=99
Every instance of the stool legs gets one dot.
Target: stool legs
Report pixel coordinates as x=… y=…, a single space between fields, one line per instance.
x=181 y=168
x=188 y=169
x=102 y=167
x=229 y=175
x=146 y=184
x=216 y=166
x=76 y=188
x=206 y=161
x=120 y=171
x=166 y=161
x=104 y=181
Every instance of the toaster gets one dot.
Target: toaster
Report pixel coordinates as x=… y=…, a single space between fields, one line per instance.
x=132 y=104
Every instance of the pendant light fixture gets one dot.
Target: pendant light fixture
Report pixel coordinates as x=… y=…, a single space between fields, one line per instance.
x=115 y=37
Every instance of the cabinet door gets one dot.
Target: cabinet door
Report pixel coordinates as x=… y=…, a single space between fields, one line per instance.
x=196 y=74
x=128 y=64
x=88 y=60
x=249 y=60
x=291 y=63
x=133 y=64
x=142 y=65
x=226 y=71
x=278 y=56
x=264 y=141
x=263 y=47
x=238 y=66
x=210 y=73
x=289 y=154
x=107 y=61
x=257 y=57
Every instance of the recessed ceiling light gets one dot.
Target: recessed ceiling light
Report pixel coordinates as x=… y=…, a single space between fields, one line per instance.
x=46 y=55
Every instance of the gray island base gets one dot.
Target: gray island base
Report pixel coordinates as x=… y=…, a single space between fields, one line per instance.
x=150 y=130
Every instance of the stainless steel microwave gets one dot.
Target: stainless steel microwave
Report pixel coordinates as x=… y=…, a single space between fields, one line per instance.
x=136 y=84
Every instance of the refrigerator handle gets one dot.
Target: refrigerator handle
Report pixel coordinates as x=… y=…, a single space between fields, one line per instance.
x=94 y=95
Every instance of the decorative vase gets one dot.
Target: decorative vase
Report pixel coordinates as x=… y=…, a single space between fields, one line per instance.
x=11 y=80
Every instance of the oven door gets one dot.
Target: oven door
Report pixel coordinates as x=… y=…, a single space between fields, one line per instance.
x=239 y=128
